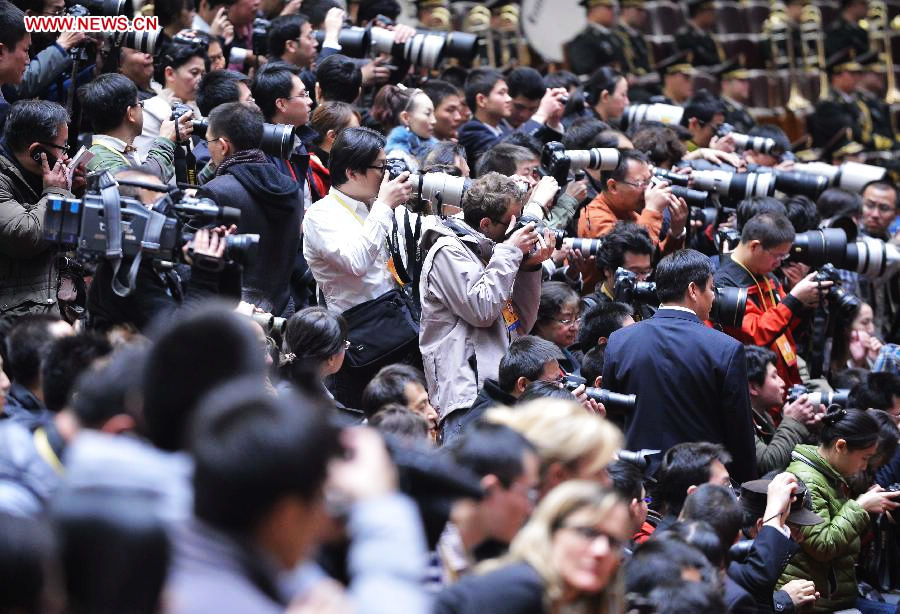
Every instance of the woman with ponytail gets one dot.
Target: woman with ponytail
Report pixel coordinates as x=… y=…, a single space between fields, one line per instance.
x=829 y=550
x=313 y=348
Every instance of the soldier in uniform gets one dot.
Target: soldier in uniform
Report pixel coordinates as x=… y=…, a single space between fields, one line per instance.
x=842 y=110
x=735 y=87
x=695 y=37
x=676 y=73
x=846 y=32
x=642 y=80
x=871 y=91
x=597 y=45
x=433 y=14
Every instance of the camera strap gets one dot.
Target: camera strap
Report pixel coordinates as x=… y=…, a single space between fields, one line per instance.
x=410 y=273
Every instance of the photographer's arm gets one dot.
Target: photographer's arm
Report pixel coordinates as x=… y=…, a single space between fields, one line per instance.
x=43 y=71
x=22 y=225
x=354 y=257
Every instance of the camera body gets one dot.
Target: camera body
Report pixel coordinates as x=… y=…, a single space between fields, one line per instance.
x=629 y=290
x=756 y=143
x=557 y=237
x=438 y=188
x=841 y=396
x=610 y=400
x=557 y=161
x=260 y=36
x=838 y=298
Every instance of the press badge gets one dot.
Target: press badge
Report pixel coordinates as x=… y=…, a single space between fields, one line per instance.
x=787 y=352
x=510 y=316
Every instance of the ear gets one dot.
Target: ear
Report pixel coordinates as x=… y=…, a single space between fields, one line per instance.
x=280 y=104
x=484 y=224
x=598 y=381
x=691 y=489
x=693 y=124
x=555 y=474
x=602 y=341
x=169 y=73
x=480 y=100
x=521 y=384
x=604 y=95
x=330 y=135
x=759 y=525
x=841 y=445
x=611 y=185
x=318 y=91
x=754 y=389
x=404 y=118
x=489 y=484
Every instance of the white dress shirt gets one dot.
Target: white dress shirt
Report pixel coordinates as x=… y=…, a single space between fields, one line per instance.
x=347 y=253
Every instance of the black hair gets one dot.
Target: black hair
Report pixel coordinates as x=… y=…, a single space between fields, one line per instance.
x=12 y=25
x=389 y=386
x=554 y=295
x=627 y=479
x=582 y=131
x=687 y=596
x=677 y=271
x=438 y=90
x=525 y=357
x=624 y=237
x=620 y=173
x=373 y=8
x=311 y=336
x=445 y=152
x=316 y=10
x=339 y=78
x=114 y=550
x=877 y=391
x=273 y=81
x=561 y=78
x=771 y=131
x=283 y=29
x=177 y=55
x=758 y=359
x=168 y=10
x=503 y=158
x=802 y=213
x=355 y=148
x=27 y=343
x=770 y=229
x=884 y=186
x=684 y=465
x=218 y=87
x=528 y=141
x=700 y=535
x=67 y=357
x=604 y=79
x=32 y=121
x=106 y=100
x=331 y=115
x=455 y=75
x=848 y=378
x=26 y=555
x=398 y=420
x=486 y=449
x=526 y=81
x=704 y=106
x=888 y=435
x=592 y=364
x=389 y=103
x=544 y=390
x=251 y=449
x=193 y=354
x=242 y=125
x=660 y=143
x=835 y=202
x=753 y=206
x=480 y=81
x=856 y=427
x=490 y=196
x=660 y=562
x=112 y=389
x=718 y=506
x=601 y=320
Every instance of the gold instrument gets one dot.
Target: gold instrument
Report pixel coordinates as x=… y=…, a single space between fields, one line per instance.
x=439 y=19
x=478 y=21
x=879 y=28
x=811 y=27
x=778 y=26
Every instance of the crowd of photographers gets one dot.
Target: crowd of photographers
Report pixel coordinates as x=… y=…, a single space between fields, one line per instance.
x=283 y=329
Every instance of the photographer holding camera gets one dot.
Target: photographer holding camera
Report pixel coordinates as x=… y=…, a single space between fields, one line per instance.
x=268 y=199
x=771 y=314
x=628 y=247
x=33 y=169
x=110 y=103
x=480 y=289
x=159 y=291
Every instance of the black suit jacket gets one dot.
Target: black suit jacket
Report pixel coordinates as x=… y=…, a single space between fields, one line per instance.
x=691 y=385
x=759 y=573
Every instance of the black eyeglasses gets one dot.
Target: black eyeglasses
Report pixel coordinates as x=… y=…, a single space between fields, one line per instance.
x=139 y=103
x=64 y=148
x=379 y=167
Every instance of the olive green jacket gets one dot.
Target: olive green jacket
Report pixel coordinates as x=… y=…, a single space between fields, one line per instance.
x=829 y=551
x=774 y=445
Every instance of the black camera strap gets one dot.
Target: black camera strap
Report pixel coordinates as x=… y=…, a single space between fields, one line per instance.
x=408 y=274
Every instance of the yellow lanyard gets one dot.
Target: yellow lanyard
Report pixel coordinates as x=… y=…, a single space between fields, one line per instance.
x=118 y=153
x=758 y=287
x=347 y=207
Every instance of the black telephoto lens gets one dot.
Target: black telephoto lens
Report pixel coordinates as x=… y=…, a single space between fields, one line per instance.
x=729 y=307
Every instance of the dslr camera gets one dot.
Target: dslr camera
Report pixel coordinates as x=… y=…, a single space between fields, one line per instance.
x=557 y=161
x=756 y=143
x=277 y=139
x=610 y=400
x=438 y=188
x=629 y=290
x=839 y=300
x=841 y=396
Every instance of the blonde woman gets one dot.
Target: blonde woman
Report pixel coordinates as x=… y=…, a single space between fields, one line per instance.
x=571 y=442
x=565 y=560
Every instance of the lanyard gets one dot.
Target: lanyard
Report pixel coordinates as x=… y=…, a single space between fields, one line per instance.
x=118 y=153
x=347 y=207
x=758 y=287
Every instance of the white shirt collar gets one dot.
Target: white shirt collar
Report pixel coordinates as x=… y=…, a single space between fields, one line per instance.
x=678 y=308
x=110 y=141
x=357 y=205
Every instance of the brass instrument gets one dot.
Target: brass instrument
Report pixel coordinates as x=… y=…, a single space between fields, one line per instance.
x=778 y=27
x=811 y=26
x=877 y=24
x=439 y=19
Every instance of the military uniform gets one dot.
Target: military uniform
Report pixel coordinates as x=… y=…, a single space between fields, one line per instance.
x=736 y=114
x=703 y=48
x=596 y=46
x=845 y=35
x=883 y=136
x=837 y=114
